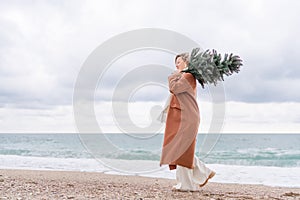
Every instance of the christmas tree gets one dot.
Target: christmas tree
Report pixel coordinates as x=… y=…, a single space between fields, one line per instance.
x=208 y=67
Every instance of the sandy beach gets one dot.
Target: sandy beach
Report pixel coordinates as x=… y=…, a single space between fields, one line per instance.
x=35 y=184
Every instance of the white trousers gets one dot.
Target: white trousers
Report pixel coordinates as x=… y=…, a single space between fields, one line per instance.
x=191 y=179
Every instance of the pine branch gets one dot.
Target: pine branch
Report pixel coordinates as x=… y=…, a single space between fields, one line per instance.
x=208 y=67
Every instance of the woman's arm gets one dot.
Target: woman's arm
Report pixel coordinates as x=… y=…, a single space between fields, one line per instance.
x=179 y=82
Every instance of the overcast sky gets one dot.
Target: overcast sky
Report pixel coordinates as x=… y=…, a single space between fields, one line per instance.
x=43 y=45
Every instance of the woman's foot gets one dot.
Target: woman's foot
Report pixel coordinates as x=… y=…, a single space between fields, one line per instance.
x=182 y=190
x=212 y=174
x=175 y=189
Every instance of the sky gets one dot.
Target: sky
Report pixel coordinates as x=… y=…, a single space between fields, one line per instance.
x=44 y=44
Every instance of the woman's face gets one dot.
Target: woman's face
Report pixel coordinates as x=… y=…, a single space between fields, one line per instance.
x=180 y=64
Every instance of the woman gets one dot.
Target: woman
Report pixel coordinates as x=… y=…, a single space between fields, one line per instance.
x=181 y=130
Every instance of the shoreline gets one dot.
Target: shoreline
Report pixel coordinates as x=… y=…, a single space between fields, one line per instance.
x=48 y=184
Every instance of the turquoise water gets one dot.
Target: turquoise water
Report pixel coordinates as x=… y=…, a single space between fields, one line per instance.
x=281 y=150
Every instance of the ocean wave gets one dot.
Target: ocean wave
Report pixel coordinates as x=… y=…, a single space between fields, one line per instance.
x=273 y=176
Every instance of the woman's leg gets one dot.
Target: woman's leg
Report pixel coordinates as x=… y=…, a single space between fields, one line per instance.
x=192 y=179
x=184 y=179
x=201 y=173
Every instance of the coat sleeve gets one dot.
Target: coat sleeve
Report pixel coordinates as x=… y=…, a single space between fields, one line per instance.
x=179 y=82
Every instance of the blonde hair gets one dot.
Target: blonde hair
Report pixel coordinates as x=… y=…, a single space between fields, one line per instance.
x=185 y=57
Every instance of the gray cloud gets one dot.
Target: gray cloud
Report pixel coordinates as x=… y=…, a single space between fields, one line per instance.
x=44 y=44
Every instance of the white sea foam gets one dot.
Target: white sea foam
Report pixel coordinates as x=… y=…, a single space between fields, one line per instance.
x=272 y=176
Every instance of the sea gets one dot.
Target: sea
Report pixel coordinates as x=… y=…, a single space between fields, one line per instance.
x=268 y=159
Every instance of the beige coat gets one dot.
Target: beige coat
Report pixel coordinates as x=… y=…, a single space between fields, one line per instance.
x=182 y=122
